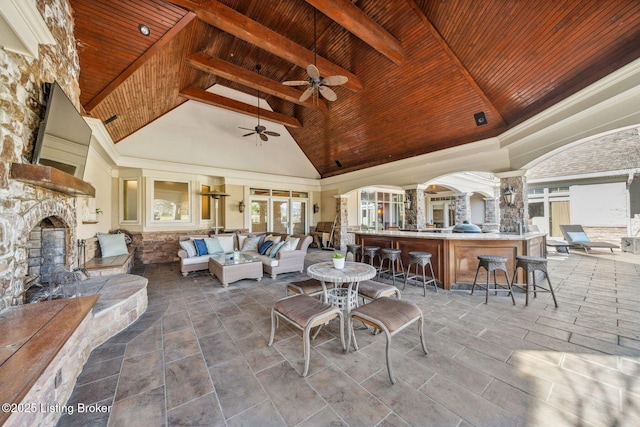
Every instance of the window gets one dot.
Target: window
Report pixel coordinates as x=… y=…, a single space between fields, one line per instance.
x=170 y=201
x=281 y=211
x=130 y=200
x=206 y=203
x=381 y=210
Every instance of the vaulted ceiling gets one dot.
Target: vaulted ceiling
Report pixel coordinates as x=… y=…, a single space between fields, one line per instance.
x=419 y=70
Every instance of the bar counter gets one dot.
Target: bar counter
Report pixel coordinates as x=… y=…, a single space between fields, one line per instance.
x=454 y=256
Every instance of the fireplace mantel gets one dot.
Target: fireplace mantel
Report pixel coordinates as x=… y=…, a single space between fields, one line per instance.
x=51 y=179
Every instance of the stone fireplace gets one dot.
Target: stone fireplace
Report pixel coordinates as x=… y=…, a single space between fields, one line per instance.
x=38 y=211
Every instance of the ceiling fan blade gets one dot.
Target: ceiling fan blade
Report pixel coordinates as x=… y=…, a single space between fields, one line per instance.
x=313 y=72
x=260 y=128
x=247 y=134
x=239 y=127
x=329 y=94
x=296 y=83
x=306 y=94
x=263 y=137
x=334 y=80
x=270 y=133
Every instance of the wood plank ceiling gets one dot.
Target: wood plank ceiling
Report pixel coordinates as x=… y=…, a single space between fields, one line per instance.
x=418 y=69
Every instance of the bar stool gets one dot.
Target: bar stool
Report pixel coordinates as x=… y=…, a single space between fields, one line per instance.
x=421 y=259
x=354 y=249
x=371 y=252
x=530 y=265
x=492 y=263
x=391 y=255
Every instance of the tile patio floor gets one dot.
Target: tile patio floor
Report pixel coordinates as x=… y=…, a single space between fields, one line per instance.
x=199 y=357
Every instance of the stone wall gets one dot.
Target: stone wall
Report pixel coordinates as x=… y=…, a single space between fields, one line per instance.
x=160 y=246
x=21 y=101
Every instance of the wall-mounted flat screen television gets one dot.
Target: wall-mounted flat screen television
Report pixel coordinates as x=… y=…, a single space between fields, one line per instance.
x=63 y=137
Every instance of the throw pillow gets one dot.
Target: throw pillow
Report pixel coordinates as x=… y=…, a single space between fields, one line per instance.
x=189 y=247
x=213 y=245
x=578 y=236
x=201 y=246
x=274 y=239
x=263 y=248
x=250 y=245
x=294 y=242
x=112 y=245
x=275 y=249
x=286 y=247
x=241 y=239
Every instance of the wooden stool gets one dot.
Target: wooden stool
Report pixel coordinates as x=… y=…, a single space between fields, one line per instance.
x=391 y=255
x=355 y=250
x=422 y=259
x=493 y=263
x=389 y=315
x=305 y=312
x=530 y=265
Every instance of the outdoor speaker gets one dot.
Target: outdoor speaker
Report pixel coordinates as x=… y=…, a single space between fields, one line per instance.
x=480 y=118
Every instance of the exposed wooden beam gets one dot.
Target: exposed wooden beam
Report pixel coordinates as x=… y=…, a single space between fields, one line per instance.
x=226 y=70
x=162 y=41
x=202 y=95
x=354 y=20
x=238 y=25
x=456 y=60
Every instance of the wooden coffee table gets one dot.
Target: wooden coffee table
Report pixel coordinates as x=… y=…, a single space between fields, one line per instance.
x=228 y=270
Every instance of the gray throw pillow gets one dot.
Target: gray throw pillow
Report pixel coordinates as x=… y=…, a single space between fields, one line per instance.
x=250 y=244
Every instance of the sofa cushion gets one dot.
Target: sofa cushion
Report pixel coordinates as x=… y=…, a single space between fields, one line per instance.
x=196 y=260
x=250 y=244
x=201 y=246
x=276 y=249
x=266 y=245
x=112 y=245
x=227 y=241
x=213 y=245
x=294 y=241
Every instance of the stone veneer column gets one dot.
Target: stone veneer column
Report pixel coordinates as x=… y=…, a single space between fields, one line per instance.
x=510 y=216
x=340 y=235
x=463 y=208
x=415 y=218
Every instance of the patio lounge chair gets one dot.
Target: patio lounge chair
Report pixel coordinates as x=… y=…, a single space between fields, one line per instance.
x=576 y=236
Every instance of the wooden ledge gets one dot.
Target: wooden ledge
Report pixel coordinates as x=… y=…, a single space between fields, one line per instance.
x=51 y=179
x=33 y=334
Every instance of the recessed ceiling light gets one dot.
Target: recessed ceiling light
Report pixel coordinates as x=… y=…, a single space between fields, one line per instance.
x=144 y=30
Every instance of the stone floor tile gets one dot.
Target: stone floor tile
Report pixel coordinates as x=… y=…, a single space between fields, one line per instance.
x=186 y=379
x=87 y=418
x=93 y=371
x=239 y=326
x=467 y=405
x=237 y=387
x=146 y=341
x=203 y=411
x=404 y=367
x=257 y=353
x=325 y=417
x=180 y=344
x=290 y=393
x=218 y=348
x=207 y=324
x=292 y=350
x=351 y=402
x=140 y=374
x=145 y=409
x=93 y=392
x=263 y=415
x=175 y=322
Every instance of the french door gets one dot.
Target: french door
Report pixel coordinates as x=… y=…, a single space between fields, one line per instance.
x=280 y=215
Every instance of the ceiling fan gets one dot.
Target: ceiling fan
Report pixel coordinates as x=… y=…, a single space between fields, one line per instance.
x=259 y=130
x=315 y=81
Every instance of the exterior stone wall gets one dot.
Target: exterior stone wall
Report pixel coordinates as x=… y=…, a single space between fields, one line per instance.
x=340 y=235
x=160 y=246
x=463 y=208
x=519 y=213
x=23 y=206
x=416 y=217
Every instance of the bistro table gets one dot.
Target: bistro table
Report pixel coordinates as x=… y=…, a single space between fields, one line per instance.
x=352 y=273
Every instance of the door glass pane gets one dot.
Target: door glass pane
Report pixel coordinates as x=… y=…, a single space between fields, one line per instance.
x=259 y=216
x=130 y=199
x=559 y=215
x=280 y=216
x=299 y=217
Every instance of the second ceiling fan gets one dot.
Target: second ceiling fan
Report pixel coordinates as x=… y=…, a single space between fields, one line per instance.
x=315 y=81
x=260 y=130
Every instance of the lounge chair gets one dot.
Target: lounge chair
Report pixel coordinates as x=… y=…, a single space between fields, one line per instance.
x=576 y=236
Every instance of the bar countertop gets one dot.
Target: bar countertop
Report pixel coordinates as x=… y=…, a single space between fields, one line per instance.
x=452 y=236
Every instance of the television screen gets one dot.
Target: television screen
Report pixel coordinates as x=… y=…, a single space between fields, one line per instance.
x=63 y=137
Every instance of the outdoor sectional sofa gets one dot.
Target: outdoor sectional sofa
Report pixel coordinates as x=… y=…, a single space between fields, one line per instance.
x=284 y=261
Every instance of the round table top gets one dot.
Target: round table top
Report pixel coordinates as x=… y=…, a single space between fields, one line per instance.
x=352 y=272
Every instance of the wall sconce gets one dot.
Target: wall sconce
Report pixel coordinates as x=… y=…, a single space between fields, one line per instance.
x=407 y=202
x=509 y=196
x=241 y=206
x=316 y=208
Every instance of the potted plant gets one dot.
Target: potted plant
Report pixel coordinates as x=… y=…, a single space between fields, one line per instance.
x=338 y=260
